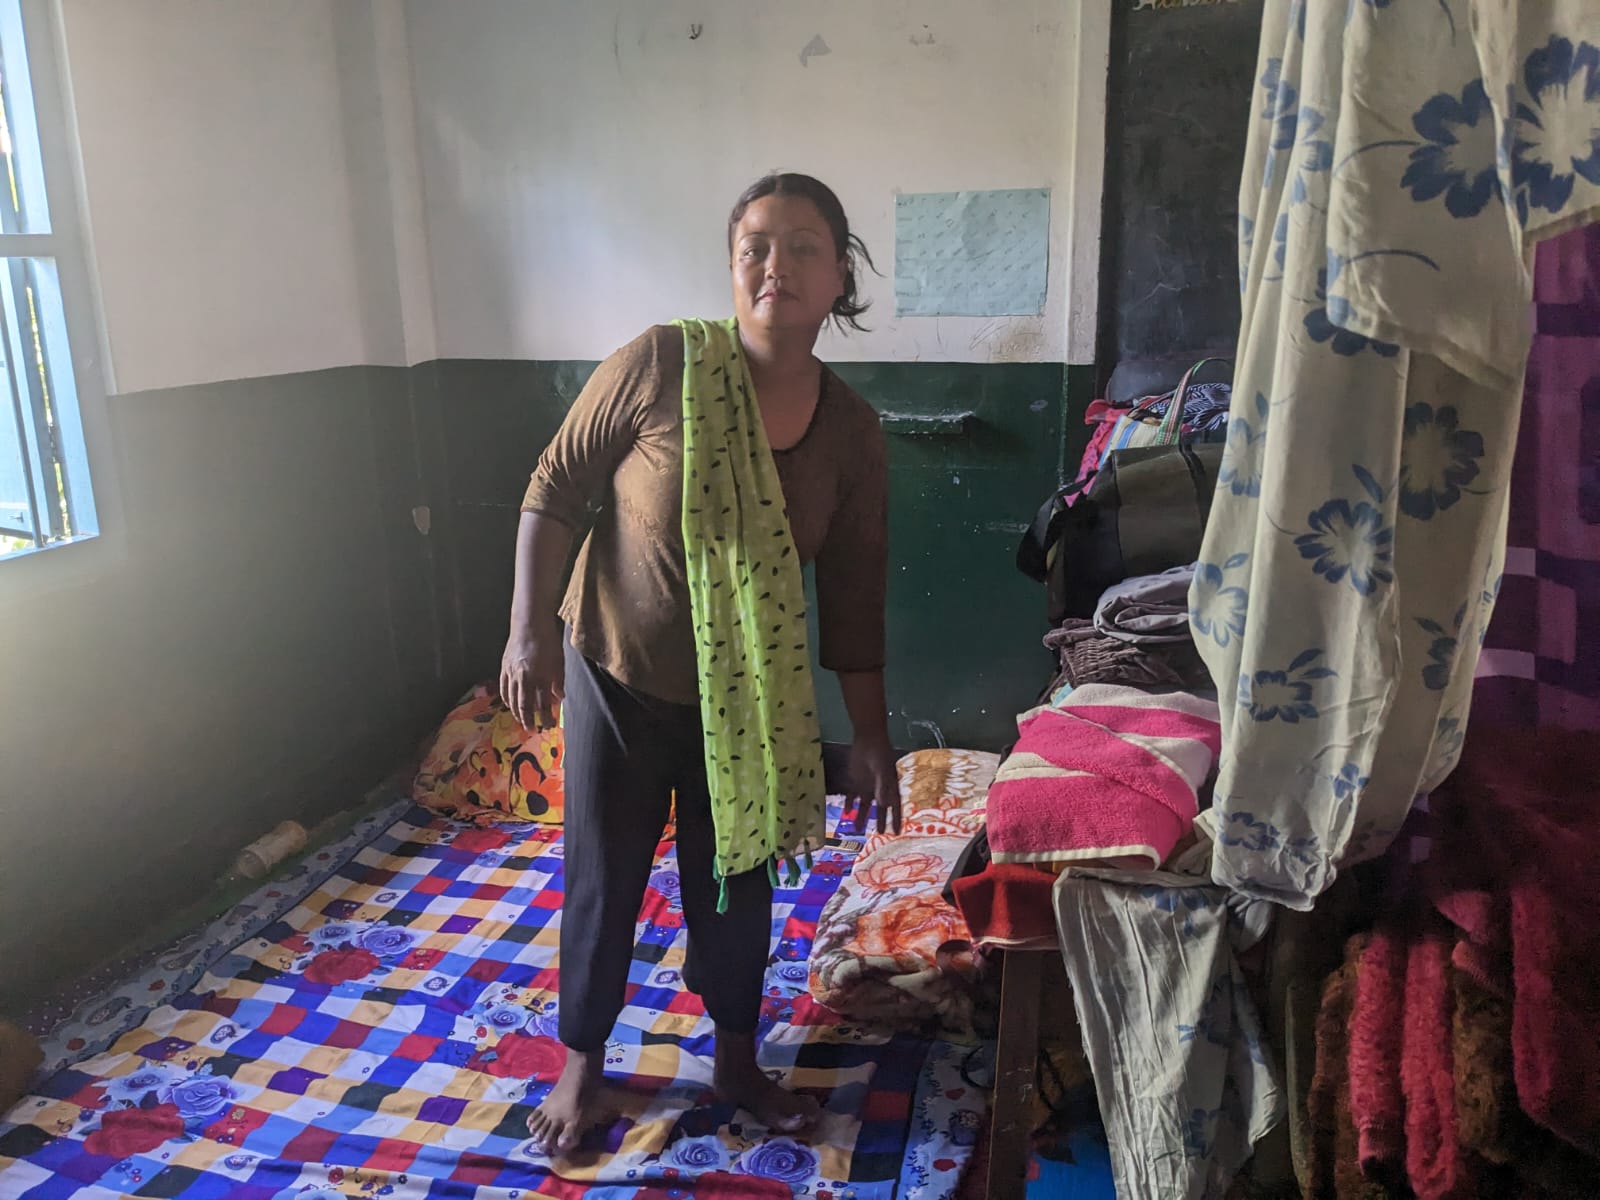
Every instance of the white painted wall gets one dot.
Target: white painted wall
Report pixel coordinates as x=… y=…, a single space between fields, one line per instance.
x=231 y=204
x=313 y=183
x=579 y=157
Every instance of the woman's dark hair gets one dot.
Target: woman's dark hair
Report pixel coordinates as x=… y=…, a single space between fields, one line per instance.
x=845 y=244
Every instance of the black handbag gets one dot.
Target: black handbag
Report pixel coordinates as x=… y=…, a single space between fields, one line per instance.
x=1144 y=511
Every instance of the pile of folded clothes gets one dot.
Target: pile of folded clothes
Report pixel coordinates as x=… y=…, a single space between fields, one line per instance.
x=1458 y=1047
x=1139 y=636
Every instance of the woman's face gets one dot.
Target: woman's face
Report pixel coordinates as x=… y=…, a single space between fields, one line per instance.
x=786 y=270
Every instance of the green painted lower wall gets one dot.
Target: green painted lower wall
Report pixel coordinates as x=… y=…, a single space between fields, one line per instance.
x=964 y=625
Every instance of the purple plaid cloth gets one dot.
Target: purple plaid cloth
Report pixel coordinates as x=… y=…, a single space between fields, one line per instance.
x=1541 y=659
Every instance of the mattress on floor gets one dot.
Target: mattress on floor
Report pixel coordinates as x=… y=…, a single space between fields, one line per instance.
x=383 y=1025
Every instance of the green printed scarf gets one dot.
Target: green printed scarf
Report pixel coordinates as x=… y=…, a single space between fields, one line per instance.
x=757 y=700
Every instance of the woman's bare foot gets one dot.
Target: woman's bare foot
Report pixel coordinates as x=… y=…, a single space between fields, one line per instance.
x=739 y=1080
x=572 y=1106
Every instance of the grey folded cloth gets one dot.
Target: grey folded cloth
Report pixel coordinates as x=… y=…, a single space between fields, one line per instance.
x=1147 y=608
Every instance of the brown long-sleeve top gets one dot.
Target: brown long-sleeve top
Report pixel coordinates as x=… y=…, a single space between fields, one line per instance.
x=621 y=449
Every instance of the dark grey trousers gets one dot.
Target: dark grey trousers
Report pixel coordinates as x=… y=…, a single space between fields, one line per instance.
x=626 y=754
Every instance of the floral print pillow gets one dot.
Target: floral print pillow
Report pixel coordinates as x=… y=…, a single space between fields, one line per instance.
x=483 y=767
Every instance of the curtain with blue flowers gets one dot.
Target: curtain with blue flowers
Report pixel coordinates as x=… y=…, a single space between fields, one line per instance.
x=1403 y=156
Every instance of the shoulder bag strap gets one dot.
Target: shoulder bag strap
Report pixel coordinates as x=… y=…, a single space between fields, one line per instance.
x=1034 y=550
x=1172 y=423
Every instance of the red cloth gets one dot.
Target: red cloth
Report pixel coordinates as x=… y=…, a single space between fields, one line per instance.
x=1102 y=415
x=1435 y=1162
x=1402 y=1060
x=1376 y=1103
x=1009 y=905
x=1517 y=867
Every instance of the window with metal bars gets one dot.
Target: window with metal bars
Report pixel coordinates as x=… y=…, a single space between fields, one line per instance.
x=45 y=494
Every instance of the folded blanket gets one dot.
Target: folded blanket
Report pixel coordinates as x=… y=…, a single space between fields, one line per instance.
x=1486 y=1094
x=1436 y=1164
x=888 y=947
x=1334 y=1167
x=1426 y=1074
x=1402 y=1082
x=1473 y=1040
x=1110 y=776
x=1489 y=1123
x=1517 y=868
x=942 y=793
x=1147 y=609
x=1376 y=1103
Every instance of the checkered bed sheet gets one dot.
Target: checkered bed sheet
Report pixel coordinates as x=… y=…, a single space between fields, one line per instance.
x=389 y=1033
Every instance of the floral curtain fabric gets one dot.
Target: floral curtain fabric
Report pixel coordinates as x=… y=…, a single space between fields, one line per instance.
x=1402 y=159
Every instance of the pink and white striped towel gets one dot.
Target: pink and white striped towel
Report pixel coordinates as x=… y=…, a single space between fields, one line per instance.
x=1109 y=775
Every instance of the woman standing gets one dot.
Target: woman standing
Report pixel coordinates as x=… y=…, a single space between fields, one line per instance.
x=723 y=456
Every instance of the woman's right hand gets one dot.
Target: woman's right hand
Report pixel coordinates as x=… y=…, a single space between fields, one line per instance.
x=533 y=676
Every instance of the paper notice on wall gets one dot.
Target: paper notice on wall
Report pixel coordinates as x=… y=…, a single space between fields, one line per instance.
x=971 y=254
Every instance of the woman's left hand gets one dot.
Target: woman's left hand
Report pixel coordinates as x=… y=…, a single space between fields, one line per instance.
x=874 y=783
